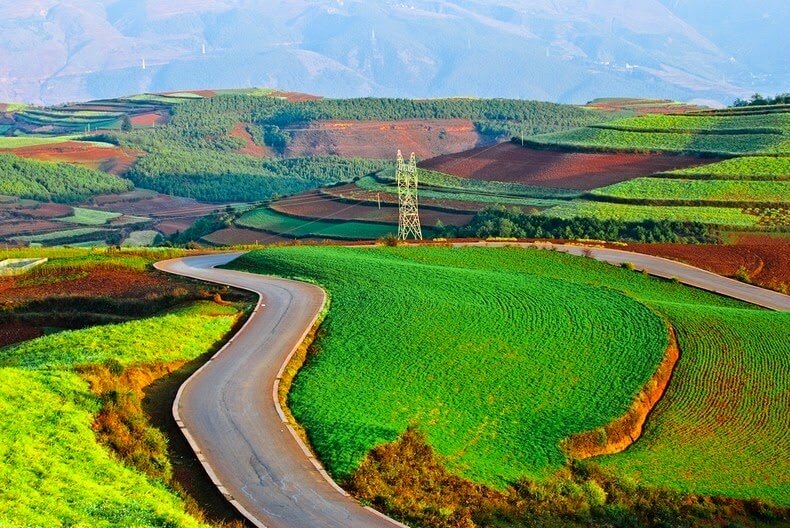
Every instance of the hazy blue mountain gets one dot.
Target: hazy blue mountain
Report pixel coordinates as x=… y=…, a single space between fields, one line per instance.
x=562 y=50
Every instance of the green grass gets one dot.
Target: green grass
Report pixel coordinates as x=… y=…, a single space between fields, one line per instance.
x=53 y=472
x=479 y=358
x=744 y=168
x=31 y=141
x=66 y=234
x=722 y=428
x=267 y=220
x=498 y=354
x=84 y=216
x=674 y=191
x=717 y=216
x=141 y=238
x=721 y=135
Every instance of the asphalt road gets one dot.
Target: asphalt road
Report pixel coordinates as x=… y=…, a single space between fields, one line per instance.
x=229 y=412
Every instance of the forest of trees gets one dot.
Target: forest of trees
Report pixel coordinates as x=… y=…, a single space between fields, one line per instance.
x=57 y=182
x=503 y=222
x=759 y=100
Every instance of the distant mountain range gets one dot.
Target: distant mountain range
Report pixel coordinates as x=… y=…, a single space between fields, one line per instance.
x=53 y=51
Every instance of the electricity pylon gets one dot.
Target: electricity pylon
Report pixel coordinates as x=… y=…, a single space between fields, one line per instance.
x=408 y=212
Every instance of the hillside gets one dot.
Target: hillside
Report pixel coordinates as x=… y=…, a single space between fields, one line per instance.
x=570 y=52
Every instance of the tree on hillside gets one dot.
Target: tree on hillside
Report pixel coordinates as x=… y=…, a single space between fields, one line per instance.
x=126 y=124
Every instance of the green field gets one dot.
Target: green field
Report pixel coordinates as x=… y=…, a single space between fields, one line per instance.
x=494 y=355
x=65 y=235
x=717 y=216
x=697 y=134
x=141 y=238
x=267 y=220
x=53 y=470
x=9 y=142
x=672 y=191
x=722 y=428
x=84 y=216
x=744 y=168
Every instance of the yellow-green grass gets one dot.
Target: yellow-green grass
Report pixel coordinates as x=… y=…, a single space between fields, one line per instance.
x=722 y=427
x=141 y=238
x=494 y=353
x=265 y=219
x=717 y=216
x=13 y=142
x=743 y=168
x=65 y=235
x=674 y=191
x=497 y=367
x=53 y=472
x=85 y=216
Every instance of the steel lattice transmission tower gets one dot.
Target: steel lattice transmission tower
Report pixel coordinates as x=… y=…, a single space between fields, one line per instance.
x=408 y=212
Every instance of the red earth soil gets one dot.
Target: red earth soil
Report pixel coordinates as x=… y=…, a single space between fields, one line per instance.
x=313 y=204
x=295 y=97
x=508 y=162
x=644 y=106
x=382 y=139
x=11 y=333
x=47 y=210
x=766 y=260
x=150 y=119
x=235 y=235
x=10 y=227
x=85 y=282
x=250 y=148
x=114 y=160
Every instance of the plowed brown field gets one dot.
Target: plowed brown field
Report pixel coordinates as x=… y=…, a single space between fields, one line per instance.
x=250 y=148
x=381 y=139
x=114 y=160
x=314 y=204
x=508 y=162
x=236 y=235
x=765 y=260
x=150 y=118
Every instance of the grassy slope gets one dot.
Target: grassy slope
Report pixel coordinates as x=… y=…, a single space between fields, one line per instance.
x=369 y=380
x=720 y=216
x=479 y=358
x=268 y=220
x=722 y=428
x=745 y=168
x=53 y=471
x=671 y=189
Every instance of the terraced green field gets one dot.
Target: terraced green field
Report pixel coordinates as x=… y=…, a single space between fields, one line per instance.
x=66 y=234
x=723 y=426
x=674 y=191
x=480 y=359
x=498 y=354
x=699 y=134
x=89 y=217
x=53 y=468
x=744 y=168
x=717 y=216
x=267 y=220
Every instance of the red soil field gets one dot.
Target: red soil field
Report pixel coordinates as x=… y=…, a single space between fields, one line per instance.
x=509 y=162
x=109 y=159
x=314 y=204
x=47 y=210
x=381 y=139
x=11 y=226
x=644 y=106
x=235 y=235
x=250 y=148
x=766 y=260
x=11 y=333
x=295 y=97
x=150 y=118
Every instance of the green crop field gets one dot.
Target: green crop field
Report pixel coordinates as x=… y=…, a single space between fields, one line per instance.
x=89 y=217
x=59 y=236
x=53 y=470
x=486 y=373
x=12 y=142
x=717 y=216
x=480 y=350
x=369 y=183
x=722 y=428
x=696 y=192
x=745 y=168
x=723 y=135
x=267 y=220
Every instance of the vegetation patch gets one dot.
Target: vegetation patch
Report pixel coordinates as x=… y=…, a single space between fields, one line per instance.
x=743 y=168
x=265 y=219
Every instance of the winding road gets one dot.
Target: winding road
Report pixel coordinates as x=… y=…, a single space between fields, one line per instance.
x=229 y=413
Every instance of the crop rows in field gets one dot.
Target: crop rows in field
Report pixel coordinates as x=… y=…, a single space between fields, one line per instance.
x=724 y=135
x=722 y=428
x=743 y=168
x=672 y=191
x=486 y=373
x=265 y=219
x=369 y=183
x=716 y=216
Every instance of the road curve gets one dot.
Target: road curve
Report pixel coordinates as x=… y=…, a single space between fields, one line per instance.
x=229 y=413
